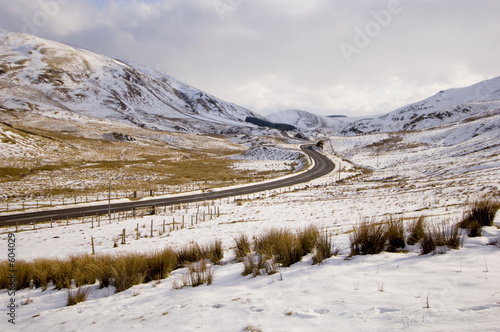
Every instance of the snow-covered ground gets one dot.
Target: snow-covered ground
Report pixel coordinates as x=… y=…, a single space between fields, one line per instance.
x=421 y=173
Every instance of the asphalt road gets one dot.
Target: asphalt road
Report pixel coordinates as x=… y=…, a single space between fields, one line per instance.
x=322 y=166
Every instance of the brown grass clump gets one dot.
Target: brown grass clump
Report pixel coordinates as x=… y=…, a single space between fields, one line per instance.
x=308 y=239
x=281 y=244
x=368 y=239
x=416 y=231
x=160 y=263
x=480 y=213
x=189 y=254
x=78 y=295
x=127 y=271
x=259 y=265
x=195 y=253
x=243 y=246
x=199 y=273
x=122 y=271
x=213 y=251
x=324 y=248
x=395 y=233
x=438 y=237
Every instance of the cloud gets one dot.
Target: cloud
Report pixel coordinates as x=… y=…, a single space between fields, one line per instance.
x=270 y=55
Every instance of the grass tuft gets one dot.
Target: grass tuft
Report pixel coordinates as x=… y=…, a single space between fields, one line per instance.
x=368 y=239
x=199 y=273
x=195 y=253
x=213 y=251
x=324 y=248
x=438 y=237
x=76 y=296
x=481 y=213
x=416 y=231
x=308 y=239
x=281 y=244
x=395 y=233
x=243 y=246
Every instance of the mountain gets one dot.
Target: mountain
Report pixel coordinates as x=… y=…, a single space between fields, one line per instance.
x=302 y=119
x=476 y=107
x=448 y=107
x=39 y=75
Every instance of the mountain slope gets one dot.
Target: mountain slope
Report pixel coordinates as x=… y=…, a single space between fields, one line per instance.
x=305 y=120
x=453 y=106
x=41 y=75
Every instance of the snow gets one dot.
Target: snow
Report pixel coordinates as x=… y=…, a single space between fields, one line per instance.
x=448 y=107
x=435 y=171
x=55 y=76
x=390 y=291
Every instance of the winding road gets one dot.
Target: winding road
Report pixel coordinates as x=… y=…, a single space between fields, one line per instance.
x=322 y=166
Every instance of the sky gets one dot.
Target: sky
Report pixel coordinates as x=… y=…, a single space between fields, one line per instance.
x=330 y=57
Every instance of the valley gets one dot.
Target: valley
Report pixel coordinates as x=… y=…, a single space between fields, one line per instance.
x=79 y=129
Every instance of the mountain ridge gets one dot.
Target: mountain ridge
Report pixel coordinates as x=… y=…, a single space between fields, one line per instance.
x=42 y=75
x=447 y=107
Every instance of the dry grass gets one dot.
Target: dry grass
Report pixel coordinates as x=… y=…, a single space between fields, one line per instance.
x=281 y=244
x=438 y=237
x=257 y=265
x=198 y=274
x=160 y=264
x=308 y=239
x=195 y=253
x=368 y=239
x=243 y=246
x=324 y=248
x=89 y=160
x=416 y=231
x=213 y=251
x=480 y=213
x=122 y=271
x=277 y=248
x=76 y=296
x=395 y=233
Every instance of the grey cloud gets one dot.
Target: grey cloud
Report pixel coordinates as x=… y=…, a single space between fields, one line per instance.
x=276 y=54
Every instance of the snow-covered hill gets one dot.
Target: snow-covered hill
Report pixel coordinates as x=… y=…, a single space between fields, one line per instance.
x=448 y=107
x=477 y=107
x=305 y=120
x=39 y=75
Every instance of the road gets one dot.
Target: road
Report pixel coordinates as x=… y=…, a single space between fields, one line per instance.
x=322 y=166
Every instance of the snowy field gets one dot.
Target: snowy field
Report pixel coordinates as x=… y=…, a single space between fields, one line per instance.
x=418 y=174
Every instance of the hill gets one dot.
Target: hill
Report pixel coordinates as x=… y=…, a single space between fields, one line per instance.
x=39 y=75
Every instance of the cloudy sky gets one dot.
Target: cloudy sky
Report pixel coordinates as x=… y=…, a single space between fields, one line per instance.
x=355 y=57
